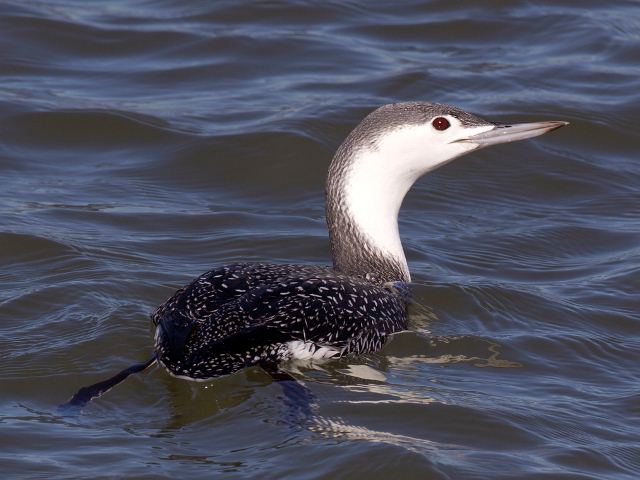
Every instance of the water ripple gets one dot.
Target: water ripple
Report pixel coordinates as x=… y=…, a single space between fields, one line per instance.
x=143 y=142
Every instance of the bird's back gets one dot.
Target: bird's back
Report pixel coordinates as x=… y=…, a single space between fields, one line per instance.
x=259 y=314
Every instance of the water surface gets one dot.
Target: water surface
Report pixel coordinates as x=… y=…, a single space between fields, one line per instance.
x=142 y=143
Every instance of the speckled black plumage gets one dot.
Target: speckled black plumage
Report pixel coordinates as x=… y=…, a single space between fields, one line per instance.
x=245 y=314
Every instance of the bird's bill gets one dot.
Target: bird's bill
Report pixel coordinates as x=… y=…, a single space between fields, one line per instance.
x=511 y=133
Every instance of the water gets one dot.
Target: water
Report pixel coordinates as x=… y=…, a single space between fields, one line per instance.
x=142 y=143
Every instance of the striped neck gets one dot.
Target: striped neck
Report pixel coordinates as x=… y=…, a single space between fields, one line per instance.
x=377 y=164
x=373 y=170
x=363 y=202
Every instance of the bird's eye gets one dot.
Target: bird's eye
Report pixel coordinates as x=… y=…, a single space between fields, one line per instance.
x=440 y=123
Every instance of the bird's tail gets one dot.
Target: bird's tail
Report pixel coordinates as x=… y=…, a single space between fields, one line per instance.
x=86 y=394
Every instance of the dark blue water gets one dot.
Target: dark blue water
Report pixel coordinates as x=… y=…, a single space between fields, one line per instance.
x=142 y=143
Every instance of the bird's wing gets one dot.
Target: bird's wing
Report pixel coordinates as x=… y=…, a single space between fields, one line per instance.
x=347 y=314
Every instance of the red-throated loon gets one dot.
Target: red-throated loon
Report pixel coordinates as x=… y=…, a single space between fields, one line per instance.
x=261 y=314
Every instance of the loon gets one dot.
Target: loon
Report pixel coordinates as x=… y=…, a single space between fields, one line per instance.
x=262 y=314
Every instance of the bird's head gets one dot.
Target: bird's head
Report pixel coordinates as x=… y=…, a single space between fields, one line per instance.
x=415 y=138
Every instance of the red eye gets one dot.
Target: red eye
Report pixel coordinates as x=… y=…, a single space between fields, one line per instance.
x=440 y=123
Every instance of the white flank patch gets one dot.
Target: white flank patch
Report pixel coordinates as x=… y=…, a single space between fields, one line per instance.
x=300 y=350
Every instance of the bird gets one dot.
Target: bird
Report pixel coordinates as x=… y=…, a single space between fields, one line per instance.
x=248 y=314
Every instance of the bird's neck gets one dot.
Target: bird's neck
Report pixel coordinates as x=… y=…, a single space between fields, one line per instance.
x=364 y=195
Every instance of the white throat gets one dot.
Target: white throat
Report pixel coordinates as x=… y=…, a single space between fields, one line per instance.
x=379 y=177
x=373 y=200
